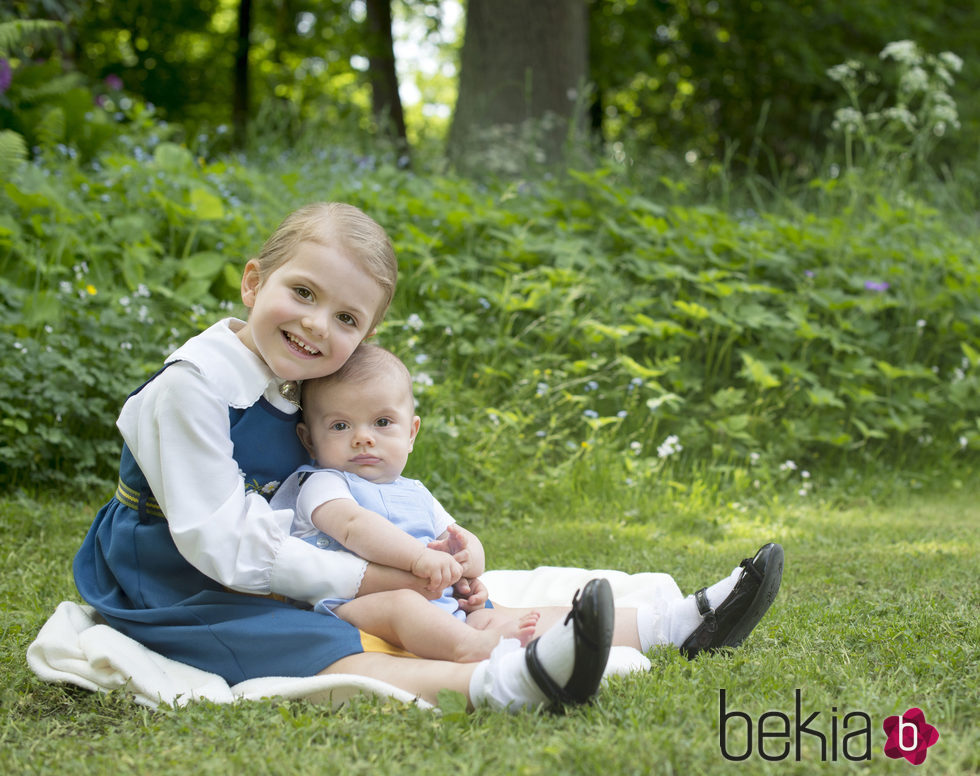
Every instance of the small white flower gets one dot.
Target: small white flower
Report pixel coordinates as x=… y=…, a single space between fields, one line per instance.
x=900 y=115
x=951 y=61
x=963 y=442
x=414 y=322
x=669 y=447
x=905 y=51
x=842 y=73
x=805 y=474
x=915 y=80
x=848 y=119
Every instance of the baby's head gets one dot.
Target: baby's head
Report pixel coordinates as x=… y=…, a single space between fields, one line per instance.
x=335 y=224
x=361 y=418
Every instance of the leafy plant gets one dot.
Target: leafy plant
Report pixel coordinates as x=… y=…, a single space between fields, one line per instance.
x=554 y=325
x=910 y=111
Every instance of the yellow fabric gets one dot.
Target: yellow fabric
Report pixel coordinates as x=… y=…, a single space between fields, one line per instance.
x=374 y=644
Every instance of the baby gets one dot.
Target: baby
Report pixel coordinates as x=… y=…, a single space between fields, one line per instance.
x=359 y=425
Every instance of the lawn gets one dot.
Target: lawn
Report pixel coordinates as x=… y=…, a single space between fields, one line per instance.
x=877 y=614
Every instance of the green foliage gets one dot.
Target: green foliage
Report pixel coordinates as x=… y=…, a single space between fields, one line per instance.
x=182 y=61
x=13 y=33
x=13 y=150
x=745 y=79
x=580 y=323
x=907 y=114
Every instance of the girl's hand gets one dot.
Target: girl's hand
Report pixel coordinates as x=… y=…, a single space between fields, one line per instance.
x=471 y=593
x=439 y=568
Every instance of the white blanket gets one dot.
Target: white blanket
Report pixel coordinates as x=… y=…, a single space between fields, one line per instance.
x=74 y=647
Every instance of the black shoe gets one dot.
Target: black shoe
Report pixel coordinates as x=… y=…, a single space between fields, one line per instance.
x=737 y=615
x=593 y=616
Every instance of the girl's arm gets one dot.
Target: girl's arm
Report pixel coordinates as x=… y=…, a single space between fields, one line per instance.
x=372 y=537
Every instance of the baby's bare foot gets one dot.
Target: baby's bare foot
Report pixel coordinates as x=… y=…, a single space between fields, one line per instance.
x=488 y=628
x=525 y=628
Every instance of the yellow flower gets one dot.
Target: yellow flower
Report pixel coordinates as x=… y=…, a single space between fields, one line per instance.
x=91 y=289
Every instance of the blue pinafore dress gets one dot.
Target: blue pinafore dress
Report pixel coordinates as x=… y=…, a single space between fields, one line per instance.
x=129 y=569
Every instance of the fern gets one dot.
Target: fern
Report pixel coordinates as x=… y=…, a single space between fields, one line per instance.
x=13 y=150
x=14 y=33
x=50 y=128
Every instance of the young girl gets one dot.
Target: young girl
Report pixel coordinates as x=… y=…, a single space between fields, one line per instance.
x=184 y=556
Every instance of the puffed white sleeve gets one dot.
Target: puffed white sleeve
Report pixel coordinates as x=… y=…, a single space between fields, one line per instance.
x=178 y=430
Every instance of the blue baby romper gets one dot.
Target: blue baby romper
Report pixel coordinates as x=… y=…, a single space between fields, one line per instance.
x=405 y=503
x=129 y=569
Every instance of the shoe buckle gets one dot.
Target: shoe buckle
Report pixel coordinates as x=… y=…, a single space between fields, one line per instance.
x=571 y=612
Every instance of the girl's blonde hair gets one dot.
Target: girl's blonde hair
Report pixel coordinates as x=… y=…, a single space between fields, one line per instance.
x=343 y=226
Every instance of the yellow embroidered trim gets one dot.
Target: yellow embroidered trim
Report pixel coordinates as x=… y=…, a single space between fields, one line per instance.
x=131 y=498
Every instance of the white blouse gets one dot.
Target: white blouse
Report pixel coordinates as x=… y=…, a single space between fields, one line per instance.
x=178 y=430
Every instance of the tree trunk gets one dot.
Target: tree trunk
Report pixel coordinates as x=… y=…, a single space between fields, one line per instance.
x=521 y=60
x=239 y=109
x=385 y=99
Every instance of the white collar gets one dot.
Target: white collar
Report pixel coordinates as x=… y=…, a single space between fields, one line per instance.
x=238 y=375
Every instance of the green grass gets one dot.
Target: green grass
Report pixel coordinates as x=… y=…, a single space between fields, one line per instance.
x=878 y=613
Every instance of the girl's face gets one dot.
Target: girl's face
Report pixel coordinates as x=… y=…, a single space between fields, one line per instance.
x=310 y=313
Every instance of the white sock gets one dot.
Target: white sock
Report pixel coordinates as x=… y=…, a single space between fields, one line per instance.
x=625 y=660
x=504 y=682
x=681 y=617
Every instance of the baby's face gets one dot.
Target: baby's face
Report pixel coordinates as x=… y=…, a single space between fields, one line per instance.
x=367 y=429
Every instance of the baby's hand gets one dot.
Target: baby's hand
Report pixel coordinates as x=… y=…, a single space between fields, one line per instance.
x=439 y=568
x=455 y=544
x=472 y=594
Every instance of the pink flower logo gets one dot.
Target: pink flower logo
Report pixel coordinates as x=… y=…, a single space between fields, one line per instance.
x=909 y=736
